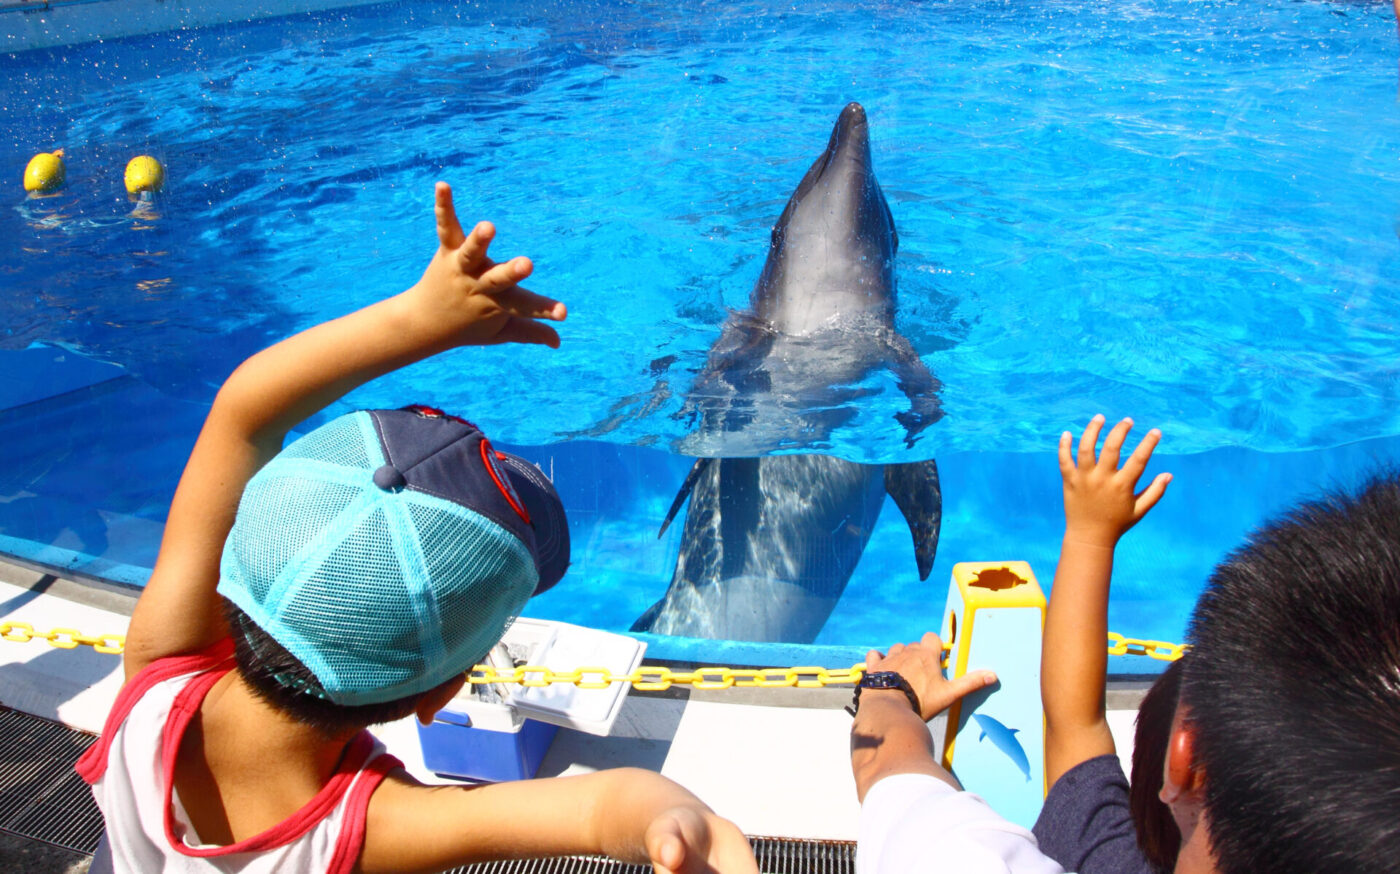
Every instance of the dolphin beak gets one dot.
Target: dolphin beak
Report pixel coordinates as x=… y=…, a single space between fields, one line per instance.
x=851 y=136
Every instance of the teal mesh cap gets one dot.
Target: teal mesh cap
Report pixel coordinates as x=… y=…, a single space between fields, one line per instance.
x=389 y=550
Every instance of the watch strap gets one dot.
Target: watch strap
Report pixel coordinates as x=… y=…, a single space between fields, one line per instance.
x=884 y=680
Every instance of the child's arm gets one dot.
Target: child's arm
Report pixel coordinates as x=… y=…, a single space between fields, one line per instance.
x=627 y=813
x=1100 y=506
x=463 y=298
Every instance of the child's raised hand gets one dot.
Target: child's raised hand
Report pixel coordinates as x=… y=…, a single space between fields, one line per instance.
x=690 y=840
x=471 y=299
x=1101 y=501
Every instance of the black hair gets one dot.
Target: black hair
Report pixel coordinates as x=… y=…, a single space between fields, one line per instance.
x=1292 y=690
x=280 y=679
x=1157 y=834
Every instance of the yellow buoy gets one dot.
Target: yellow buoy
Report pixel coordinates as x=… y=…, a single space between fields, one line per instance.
x=144 y=173
x=44 y=172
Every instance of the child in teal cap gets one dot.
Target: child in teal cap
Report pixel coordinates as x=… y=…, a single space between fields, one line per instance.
x=238 y=742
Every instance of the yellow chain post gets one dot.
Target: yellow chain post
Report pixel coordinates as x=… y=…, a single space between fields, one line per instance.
x=647 y=678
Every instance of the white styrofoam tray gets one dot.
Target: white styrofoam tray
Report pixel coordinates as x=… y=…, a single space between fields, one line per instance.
x=561 y=647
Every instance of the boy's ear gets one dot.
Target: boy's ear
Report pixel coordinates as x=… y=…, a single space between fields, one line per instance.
x=437 y=698
x=1182 y=779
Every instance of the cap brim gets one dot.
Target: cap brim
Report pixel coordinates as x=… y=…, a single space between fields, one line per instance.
x=547 y=518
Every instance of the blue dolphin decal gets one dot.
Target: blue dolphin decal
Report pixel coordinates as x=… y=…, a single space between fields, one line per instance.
x=1004 y=739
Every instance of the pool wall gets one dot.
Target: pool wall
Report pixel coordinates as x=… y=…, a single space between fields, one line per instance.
x=36 y=25
x=69 y=422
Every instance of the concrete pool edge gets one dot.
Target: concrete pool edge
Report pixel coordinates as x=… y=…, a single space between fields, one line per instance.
x=789 y=745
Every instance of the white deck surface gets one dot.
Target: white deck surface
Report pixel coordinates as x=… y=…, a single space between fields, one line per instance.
x=779 y=771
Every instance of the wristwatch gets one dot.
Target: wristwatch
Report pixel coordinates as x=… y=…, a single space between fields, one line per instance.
x=884 y=680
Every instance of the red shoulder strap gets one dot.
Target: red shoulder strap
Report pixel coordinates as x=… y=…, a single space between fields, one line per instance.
x=352 y=831
x=93 y=763
x=286 y=831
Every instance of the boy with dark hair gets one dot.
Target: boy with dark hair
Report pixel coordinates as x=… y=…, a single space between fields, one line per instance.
x=1285 y=751
x=363 y=569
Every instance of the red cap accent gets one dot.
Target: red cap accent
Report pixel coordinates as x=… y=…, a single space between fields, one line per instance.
x=506 y=490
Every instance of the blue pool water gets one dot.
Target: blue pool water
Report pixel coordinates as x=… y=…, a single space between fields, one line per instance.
x=1185 y=212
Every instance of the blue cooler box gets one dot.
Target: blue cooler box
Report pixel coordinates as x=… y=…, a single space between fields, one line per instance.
x=454 y=748
x=504 y=734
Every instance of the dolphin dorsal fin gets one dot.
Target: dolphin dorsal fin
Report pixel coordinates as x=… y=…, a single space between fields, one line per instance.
x=690 y=478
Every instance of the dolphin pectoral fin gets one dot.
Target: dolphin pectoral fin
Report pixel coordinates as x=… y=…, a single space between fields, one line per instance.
x=917 y=493
x=980 y=737
x=919 y=385
x=690 y=478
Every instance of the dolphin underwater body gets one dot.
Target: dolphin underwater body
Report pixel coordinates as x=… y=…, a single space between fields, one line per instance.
x=770 y=540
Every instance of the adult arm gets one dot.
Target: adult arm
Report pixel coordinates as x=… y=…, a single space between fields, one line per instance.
x=463 y=298
x=888 y=736
x=914 y=815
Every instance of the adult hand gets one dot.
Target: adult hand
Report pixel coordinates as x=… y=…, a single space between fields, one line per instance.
x=921 y=664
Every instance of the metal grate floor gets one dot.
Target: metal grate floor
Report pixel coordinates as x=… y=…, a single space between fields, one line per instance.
x=775 y=856
x=43 y=799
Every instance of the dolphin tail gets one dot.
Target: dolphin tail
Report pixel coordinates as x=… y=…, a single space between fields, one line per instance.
x=690 y=479
x=917 y=493
x=648 y=619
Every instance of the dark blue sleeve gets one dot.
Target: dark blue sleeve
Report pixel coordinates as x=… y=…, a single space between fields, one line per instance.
x=1086 y=825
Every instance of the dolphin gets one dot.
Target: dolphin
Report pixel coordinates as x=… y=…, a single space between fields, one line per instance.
x=770 y=540
x=1004 y=739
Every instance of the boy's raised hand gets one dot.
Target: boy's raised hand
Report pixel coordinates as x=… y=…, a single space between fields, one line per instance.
x=688 y=840
x=1101 y=501
x=473 y=300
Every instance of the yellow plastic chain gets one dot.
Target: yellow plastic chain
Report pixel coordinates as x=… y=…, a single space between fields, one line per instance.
x=63 y=638
x=1153 y=649
x=647 y=678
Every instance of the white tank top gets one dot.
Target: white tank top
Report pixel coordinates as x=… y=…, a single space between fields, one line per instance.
x=130 y=770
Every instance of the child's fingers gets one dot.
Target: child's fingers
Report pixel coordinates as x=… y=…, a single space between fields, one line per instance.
x=471 y=252
x=1148 y=497
x=449 y=230
x=526 y=304
x=518 y=330
x=665 y=846
x=503 y=277
x=1137 y=462
x=1113 y=443
x=1066 y=459
x=1089 y=440
x=873 y=658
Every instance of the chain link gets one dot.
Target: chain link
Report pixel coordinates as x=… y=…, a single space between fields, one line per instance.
x=647 y=678
x=1153 y=649
x=62 y=638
